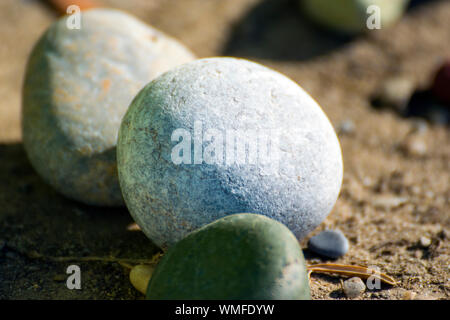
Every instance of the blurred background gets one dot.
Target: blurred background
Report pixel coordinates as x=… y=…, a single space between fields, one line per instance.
x=395 y=141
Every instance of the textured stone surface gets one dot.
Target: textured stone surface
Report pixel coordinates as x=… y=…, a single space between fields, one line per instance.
x=78 y=85
x=329 y=243
x=351 y=15
x=242 y=256
x=169 y=200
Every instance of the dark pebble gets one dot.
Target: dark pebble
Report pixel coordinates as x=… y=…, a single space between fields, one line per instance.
x=441 y=84
x=329 y=243
x=424 y=104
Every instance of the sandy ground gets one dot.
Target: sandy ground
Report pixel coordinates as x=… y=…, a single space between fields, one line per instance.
x=389 y=200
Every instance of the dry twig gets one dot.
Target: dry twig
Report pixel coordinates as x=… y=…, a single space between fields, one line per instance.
x=351 y=271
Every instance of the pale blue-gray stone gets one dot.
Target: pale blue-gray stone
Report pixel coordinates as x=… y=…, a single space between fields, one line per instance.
x=78 y=85
x=169 y=200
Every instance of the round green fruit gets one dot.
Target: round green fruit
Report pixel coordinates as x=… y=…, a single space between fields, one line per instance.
x=238 y=257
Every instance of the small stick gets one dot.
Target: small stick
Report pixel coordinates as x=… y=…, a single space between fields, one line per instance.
x=133 y=227
x=351 y=271
x=39 y=256
x=35 y=255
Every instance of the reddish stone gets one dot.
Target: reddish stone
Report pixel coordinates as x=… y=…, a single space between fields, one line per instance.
x=441 y=83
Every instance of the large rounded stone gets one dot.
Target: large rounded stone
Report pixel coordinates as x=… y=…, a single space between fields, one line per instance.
x=220 y=136
x=351 y=16
x=78 y=86
x=239 y=257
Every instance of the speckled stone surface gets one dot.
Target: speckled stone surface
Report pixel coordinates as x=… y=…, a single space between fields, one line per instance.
x=239 y=257
x=350 y=16
x=329 y=243
x=78 y=86
x=298 y=186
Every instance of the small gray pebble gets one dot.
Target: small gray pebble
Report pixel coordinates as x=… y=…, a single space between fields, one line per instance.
x=78 y=85
x=414 y=146
x=419 y=126
x=329 y=243
x=346 y=127
x=438 y=115
x=394 y=93
x=425 y=242
x=354 y=287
